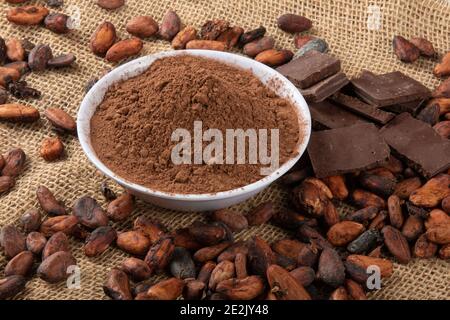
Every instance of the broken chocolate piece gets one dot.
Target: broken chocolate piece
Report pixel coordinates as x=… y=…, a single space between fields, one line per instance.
x=411 y=107
x=366 y=110
x=310 y=68
x=416 y=142
x=349 y=149
x=325 y=88
x=327 y=115
x=388 y=89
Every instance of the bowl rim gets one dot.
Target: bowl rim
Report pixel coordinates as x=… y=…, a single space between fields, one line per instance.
x=83 y=122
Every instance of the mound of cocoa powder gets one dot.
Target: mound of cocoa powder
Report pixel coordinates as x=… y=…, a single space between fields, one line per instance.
x=132 y=128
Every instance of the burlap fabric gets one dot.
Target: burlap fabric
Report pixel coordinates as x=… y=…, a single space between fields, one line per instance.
x=342 y=23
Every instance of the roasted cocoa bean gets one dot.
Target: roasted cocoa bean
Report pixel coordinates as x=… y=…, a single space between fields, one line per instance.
x=425 y=47
x=10 y=286
x=117 y=285
x=274 y=57
x=331 y=215
x=289 y=219
x=153 y=229
x=39 y=57
x=14 y=50
x=240 y=264
x=121 y=208
x=12 y=241
x=66 y=224
x=254 y=48
x=212 y=29
x=404 y=188
x=13 y=112
x=377 y=184
x=339 y=294
x=443 y=69
x=52 y=149
x=211 y=252
x=21 y=90
x=205 y=272
x=183 y=238
x=439 y=234
x=386 y=266
x=288 y=248
x=284 y=286
x=293 y=23
x=379 y=221
x=260 y=214
x=331 y=270
x=110 y=4
x=7 y=183
x=260 y=256
x=57 y=22
x=416 y=211
x=54 y=269
x=170 y=25
x=20 y=265
x=311 y=235
x=224 y=270
x=308 y=255
x=365 y=199
x=206 y=45
x=431 y=194
x=61 y=61
x=181 y=265
x=344 y=232
x=57 y=242
x=90 y=213
x=207 y=234
x=396 y=244
x=124 y=49
x=364 y=242
x=231 y=252
x=304 y=275
x=236 y=221
x=99 y=241
x=443 y=129
x=295 y=176
x=251 y=35
x=355 y=290
x=169 y=289
x=35 y=242
x=337 y=186
x=247 y=288
x=133 y=242
x=107 y=192
x=193 y=290
x=395 y=211
x=142 y=26
x=443 y=90
x=27 y=15
x=424 y=249
x=362 y=215
x=231 y=36
x=315 y=44
x=436 y=217
x=356 y=272
x=405 y=50
x=183 y=37
x=48 y=202
x=413 y=227
x=160 y=254
x=61 y=120
x=103 y=38
x=137 y=269
x=309 y=197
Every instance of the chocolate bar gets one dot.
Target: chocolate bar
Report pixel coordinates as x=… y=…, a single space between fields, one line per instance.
x=349 y=149
x=325 y=88
x=418 y=144
x=366 y=110
x=388 y=89
x=327 y=115
x=310 y=68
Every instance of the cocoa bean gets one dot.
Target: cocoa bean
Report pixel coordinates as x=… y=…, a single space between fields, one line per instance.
x=103 y=38
x=289 y=219
x=10 y=286
x=284 y=286
x=137 y=269
x=288 y=248
x=396 y=244
x=52 y=149
x=300 y=40
x=379 y=185
x=315 y=44
x=48 y=202
x=54 y=268
x=274 y=57
x=206 y=45
x=364 y=242
x=211 y=252
x=224 y=270
x=331 y=270
x=18 y=113
x=35 y=242
x=193 y=290
x=231 y=252
x=90 y=213
x=429 y=114
x=61 y=120
x=110 y=4
x=413 y=227
x=251 y=35
x=304 y=275
x=12 y=241
x=20 y=265
x=376 y=253
x=425 y=47
x=205 y=272
x=382 y=172
x=27 y=15
x=339 y=294
x=436 y=217
x=260 y=256
x=252 y=49
x=308 y=234
x=39 y=57
x=364 y=199
x=181 y=265
x=379 y=221
x=443 y=69
x=362 y=215
x=295 y=176
x=431 y=194
x=240 y=264
x=247 y=288
x=308 y=255
x=66 y=224
x=386 y=266
x=355 y=290
x=285 y=262
x=169 y=289
x=395 y=211
x=160 y=254
x=293 y=23
x=260 y=214
x=416 y=211
x=231 y=36
x=356 y=272
x=124 y=49
x=117 y=285
x=446 y=204
x=133 y=242
x=107 y=192
x=424 y=249
x=443 y=90
x=344 y=232
x=236 y=221
x=183 y=238
x=308 y=196
x=21 y=90
x=439 y=234
x=337 y=186
x=14 y=50
x=170 y=25
x=61 y=61
x=142 y=26
x=99 y=241
x=183 y=37
x=331 y=215
x=444 y=252
x=7 y=183
x=405 y=50
x=443 y=129
x=57 y=22
x=404 y=188
x=121 y=208
x=207 y=234
x=153 y=229
x=212 y=29
x=30 y=220
x=57 y=242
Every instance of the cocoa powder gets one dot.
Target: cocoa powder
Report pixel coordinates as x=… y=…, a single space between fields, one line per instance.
x=132 y=128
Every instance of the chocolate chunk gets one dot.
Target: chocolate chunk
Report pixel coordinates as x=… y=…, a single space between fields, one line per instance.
x=327 y=115
x=366 y=110
x=310 y=68
x=388 y=89
x=349 y=149
x=410 y=107
x=415 y=141
x=325 y=88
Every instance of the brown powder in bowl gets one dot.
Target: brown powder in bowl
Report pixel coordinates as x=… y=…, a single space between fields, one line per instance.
x=131 y=129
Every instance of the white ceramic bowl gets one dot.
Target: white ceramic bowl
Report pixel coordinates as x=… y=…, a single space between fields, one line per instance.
x=192 y=202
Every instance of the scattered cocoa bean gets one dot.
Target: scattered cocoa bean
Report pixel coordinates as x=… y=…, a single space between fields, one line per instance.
x=170 y=25
x=211 y=252
x=356 y=272
x=231 y=252
x=99 y=241
x=55 y=3
x=260 y=256
x=288 y=248
x=231 y=36
x=133 y=242
x=331 y=270
x=20 y=265
x=379 y=221
x=48 y=202
x=295 y=176
x=107 y=192
x=236 y=221
x=355 y=290
x=405 y=50
x=386 y=266
x=207 y=234
x=252 y=49
x=183 y=37
x=337 y=186
x=293 y=23
x=206 y=45
x=27 y=15
x=18 y=113
x=308 y=234
x=205 y=272
x=12 y=241
x=413 y=227
x=443 y=69
x=431 y=194
x=396 y=244
x=61 y=120
x=331 y=215
x=137 y=269
x=6 y=183
x=183 y=238
x=308 y=256
x=395 y=211
x=52 y=149
x=439 y=234
x=240 y=264
x=10 y=286
x=224 y=270
x=121 y=208
x=274 y=58
x=65 y=223
x=251 y=35
x=21 y=90
x=290 y=220
x=61 y=61
x=169 y=289
x=160 y=254
x=14 y=50
x=212 y=29
x=365 y=199
x=284 y=286
x=425 y=47
x=362 y=215
x=57 y=242
x=310 y=198
x=436 y=218
x=35 y=242
x=443 y=90
x=39 y=57
x=247 y=288
x=142 y=26
x=404 y=188
x=382 y=172
x=193 y=290
x=117 y=285
x=304 y=275
x=364 y=242
x=424 y=249
x=124 y=49
x=110 y=4
x=344 y=232
x=54 y=269
x=90 y=213
x=103 y=38
x=377 y=184
x=57 y=22
x=260 y=214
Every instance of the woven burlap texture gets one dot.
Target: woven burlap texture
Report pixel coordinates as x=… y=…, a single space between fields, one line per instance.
x=342 y=23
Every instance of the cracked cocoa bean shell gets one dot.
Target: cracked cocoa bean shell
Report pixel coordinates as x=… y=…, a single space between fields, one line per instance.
x=331 y=269
x=284 y=286
x=90 y=213
x=425 y=47
x=10 y=286
x=57 y=242
x=231 y=36
x=12 y=241
x=181 y=265
x=48 y=202
x=183 y=37
x=396 y=244
x=117 y=285
x=54 y=268
x=35 y=242
x=61 y=61
x=20 y=265
x=57 y=22
x=14 y=112
x=52 y=149
x=99 y=241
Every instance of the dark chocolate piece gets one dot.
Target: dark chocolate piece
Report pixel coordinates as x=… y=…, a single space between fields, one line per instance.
x=417 y=143
x=327 y=115
x=310 y=68
x=410 y=107
x=349 y=149
x=366 y=110
x=325 y=88
x=388 y=89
